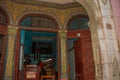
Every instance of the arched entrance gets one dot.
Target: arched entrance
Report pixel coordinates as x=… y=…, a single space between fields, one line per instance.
x=36 y=43
x=44 y=30
x=80 y=54
x=3 y=40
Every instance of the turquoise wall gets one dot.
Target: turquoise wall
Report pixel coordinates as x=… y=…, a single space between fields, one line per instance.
x=71 y=59
x=22 y=36
x=26 y=40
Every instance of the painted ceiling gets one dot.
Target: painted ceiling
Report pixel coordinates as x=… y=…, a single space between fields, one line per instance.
x=61 y=4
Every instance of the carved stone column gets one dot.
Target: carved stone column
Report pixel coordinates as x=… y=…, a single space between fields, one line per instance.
x=110 y=54
x=63 y=51
x=12 y=31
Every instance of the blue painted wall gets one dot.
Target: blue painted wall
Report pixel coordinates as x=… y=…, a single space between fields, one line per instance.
x=26 y=40
x=71 y=59
x=22 y=36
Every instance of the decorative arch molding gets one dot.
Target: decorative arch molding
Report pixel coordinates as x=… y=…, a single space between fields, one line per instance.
x=38 y=13
x=78 y=22
x=72 y=16
x=6 y=20
x=91 y=8
x=8 y=14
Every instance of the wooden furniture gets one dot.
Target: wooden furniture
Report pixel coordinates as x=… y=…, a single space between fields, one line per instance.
x=47 y=77
x=50 y=74
x=31 y=72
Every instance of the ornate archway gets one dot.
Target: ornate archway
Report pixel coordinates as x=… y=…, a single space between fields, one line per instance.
x=80 y=46
x=94 y=23
x=38 y=13
x=36 y=23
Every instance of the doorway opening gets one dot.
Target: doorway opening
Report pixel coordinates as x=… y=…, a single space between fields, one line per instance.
x=38 y=54
x=71 y=58
x=80 y=55
x=36 y=47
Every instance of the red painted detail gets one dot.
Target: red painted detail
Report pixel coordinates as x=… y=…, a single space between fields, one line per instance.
x=88 y=64
x=3 y=29
x=16 y=59
x=84 y=63
x=78 y=59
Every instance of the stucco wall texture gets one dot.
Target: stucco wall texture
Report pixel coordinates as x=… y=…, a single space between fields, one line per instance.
x=116 y=13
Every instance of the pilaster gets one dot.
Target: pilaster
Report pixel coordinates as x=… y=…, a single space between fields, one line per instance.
x=63 y=53
x=109 y=50
x=12 y=31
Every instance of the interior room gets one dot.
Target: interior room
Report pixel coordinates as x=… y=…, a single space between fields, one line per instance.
x=38 y=50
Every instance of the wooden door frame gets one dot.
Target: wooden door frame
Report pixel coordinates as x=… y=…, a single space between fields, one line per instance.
x=16 y=59
x=81 y=77
x=73 y=34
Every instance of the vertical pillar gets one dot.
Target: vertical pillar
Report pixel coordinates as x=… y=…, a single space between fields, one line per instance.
x=63 y=53
x=110 y=53
x=12 y=31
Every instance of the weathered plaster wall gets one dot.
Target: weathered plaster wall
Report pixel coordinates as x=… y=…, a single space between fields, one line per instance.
x=115 y=4
x=108 y=43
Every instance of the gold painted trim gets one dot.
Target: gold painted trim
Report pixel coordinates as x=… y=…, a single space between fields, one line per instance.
x=48 y=4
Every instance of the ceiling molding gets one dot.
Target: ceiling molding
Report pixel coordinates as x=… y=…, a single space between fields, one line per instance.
x=49 y=4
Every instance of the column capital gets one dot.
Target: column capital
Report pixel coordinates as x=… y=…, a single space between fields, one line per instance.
x=62 y=33
x=12 y=30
